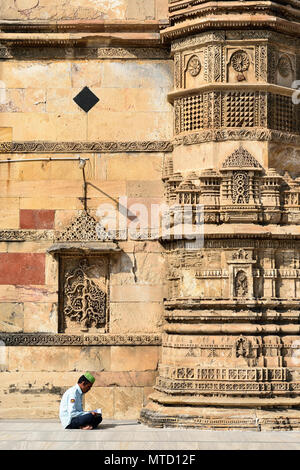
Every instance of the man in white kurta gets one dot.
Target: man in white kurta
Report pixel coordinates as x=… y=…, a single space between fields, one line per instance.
x=71 y=412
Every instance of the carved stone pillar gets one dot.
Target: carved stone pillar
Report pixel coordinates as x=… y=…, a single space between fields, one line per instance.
x=231 y=318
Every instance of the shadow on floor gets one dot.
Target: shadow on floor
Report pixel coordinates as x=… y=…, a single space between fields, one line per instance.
x=116 y=425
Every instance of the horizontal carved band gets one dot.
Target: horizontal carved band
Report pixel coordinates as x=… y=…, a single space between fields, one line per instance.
x=85 y=147
x=249 y=374
x=26 y=235
x=211 y=422
x=69 y=51
x=210 y=241
x=221 y=36
x=238 y=134
x=252 y=388
x=187 y=28
x=19 y=339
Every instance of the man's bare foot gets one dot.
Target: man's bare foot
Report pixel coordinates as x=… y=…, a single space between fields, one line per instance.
x=87 y=427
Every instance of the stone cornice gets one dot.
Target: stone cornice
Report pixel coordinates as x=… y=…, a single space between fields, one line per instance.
x=266 y=87
x=248 y=36
x=193 y=26
x=81 y=33
x=188 y=9
x=175 y=4
x=77 y=26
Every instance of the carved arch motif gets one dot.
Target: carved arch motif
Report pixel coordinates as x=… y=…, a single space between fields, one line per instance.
x=241 y=158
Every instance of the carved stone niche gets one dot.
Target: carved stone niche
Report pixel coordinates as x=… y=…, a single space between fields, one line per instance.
x=193 y=69
x=83 y=294
x=285 y=69
x=240 y=65
x=241 y=275
x=83 y=251
x=239 y=195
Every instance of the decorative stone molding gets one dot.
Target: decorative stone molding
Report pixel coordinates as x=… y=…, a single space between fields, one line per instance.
x=285 y=421
x=256 y=374
x=41 y=339
x=26 y=235
x=220 y=135
x=85 y=147
x=19 y=51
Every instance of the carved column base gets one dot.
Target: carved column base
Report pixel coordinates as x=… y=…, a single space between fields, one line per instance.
x=236 y=413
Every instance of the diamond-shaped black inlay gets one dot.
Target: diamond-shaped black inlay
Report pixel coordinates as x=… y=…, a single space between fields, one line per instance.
x=86 y=99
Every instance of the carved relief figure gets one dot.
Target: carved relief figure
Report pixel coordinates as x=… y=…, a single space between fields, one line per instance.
x=241 y=284
x=242 y=347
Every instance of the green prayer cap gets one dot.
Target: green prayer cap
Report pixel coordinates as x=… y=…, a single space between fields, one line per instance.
x=89 y=377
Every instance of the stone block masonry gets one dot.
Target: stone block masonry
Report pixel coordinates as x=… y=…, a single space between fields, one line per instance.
x=110 y=108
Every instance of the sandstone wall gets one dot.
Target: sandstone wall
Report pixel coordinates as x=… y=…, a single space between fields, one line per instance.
x=83 y=9
x=39 y=198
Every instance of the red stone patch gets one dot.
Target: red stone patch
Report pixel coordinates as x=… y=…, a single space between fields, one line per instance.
x=22 y=268
x=36 y=219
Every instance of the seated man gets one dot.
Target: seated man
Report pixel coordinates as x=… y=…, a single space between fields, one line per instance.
x=71 y=413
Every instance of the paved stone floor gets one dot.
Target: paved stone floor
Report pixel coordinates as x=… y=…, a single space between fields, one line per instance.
x=130 y=435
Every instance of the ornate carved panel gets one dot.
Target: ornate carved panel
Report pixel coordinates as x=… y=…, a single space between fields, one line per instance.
x=240 y=187
x=84 y=294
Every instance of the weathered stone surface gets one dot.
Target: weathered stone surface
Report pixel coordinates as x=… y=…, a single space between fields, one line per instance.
x=11 y=317
x=131 y=293
x=141 y=317
x=133 y=167
x=10 y=219
x=128 y=402
x=25 y=293
x=138 y=268
x=82 y=10
x=40 y=317
x=101 y=397
x=22 y=268
x=36 y=219
x=5 y=132
x=39 y=358
x=128 y=358
x=92 y=358
x=125 y=378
